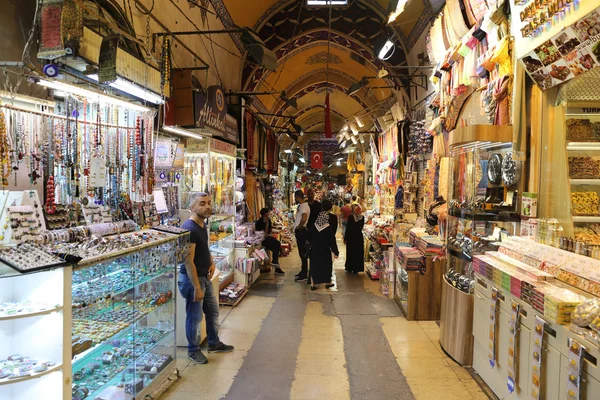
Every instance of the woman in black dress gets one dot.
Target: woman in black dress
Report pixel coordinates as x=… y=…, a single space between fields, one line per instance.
x=355 y=242
x=323 y=243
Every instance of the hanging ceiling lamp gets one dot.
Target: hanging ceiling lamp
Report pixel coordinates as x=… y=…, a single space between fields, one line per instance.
x=395 y=8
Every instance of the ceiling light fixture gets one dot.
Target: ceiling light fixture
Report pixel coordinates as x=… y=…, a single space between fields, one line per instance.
x=182 y=132
x=395 y=8
x=132 y=89
x=287 y=151
x=356 y=86
x=354 y=140
x=91 y=95
x=354 y=128
x=384 y=48
x=359 y=121
x=297 y=128
x=302 y=160
x=293 y=103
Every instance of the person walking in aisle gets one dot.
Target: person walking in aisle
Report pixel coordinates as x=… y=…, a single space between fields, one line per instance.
x=346 y=211
x=355 y=242
x=269 y=242
x=323 y=244
x=195 y=285
x=301 y=231
x=315 y=207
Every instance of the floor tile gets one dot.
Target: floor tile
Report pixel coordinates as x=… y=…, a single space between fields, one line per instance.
x=428 y=325
x=318 y=347
x=436 y=389
x=321 y=364
x=416 y=367
x=313 y=387
x=433 y=334
x=415 y=349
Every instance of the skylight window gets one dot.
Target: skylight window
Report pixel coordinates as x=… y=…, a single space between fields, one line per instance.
x=327 y=2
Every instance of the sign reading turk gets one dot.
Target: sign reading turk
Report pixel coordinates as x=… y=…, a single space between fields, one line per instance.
x=210 y=113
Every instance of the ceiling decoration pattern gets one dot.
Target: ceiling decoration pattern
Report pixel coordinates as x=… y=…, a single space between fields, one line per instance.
x=424 y=20
x=314 y=87
x=253 y=76
x=329 y=147
x=308 y=109
x=225 y=17
x=321 y=58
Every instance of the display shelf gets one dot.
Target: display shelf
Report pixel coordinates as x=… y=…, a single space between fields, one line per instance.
x=115 y=380
x=586 y=218
x=125 y=331
x=585 y=182
x=234 y=304
x=31 y=314
x=220 y=242
x=501 y=216
x=583 y=146
x=33 y=375
x=133 y=284
x=459 y=254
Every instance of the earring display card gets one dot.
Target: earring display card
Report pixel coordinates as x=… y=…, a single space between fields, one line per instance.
x=6 y=235
x=493 y=327
x=31 y=198
x=25 y=224
x=536 y=369
x=575 y=368
x=513 y=345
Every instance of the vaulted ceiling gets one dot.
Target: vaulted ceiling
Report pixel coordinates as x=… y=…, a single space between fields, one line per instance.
x=322 y=49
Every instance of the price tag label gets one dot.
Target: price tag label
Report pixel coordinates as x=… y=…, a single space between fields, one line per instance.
x=98 y=172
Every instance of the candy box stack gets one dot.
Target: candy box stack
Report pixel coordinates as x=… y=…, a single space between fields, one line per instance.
x=559 y=305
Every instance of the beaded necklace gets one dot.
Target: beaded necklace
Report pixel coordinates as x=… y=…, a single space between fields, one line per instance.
x=4 y=150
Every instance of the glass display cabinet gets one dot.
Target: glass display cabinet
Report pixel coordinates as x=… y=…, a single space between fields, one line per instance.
x=483 y=174
x=123 y=329
x=31 y=305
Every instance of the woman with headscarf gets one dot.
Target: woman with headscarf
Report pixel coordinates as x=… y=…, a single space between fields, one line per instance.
x=323 y=243
x=355 y=242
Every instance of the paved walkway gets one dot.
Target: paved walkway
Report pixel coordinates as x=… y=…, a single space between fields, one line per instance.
x=348 y=342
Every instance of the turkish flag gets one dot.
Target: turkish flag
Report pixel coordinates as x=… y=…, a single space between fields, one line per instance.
x=327 y=118
x=316 y=160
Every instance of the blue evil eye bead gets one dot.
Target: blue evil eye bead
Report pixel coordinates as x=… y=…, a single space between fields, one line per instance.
x=162 y=175
x=75 y=114
x=50 y=70
x=178 y=176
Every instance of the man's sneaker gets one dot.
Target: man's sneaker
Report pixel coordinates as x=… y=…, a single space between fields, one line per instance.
x=220 y=348
x=198 y=357
x=300 y=278
x=278 y=270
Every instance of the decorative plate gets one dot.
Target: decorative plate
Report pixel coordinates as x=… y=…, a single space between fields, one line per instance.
x=494 y=170
x=511 y=170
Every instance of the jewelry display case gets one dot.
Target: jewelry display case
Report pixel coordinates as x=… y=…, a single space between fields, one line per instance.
x=483 y=174
x=123 y=321
x=33 y=366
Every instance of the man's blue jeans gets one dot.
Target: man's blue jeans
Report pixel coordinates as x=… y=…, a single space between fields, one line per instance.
x=193 y=312
x=344 y=225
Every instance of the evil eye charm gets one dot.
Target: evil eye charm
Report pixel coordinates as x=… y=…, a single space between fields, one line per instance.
x=163 y=175
x=50 y=70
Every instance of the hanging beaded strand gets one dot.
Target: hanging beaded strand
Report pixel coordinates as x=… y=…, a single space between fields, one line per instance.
x=4 y=150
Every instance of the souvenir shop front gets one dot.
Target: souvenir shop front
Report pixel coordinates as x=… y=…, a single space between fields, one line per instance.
x=512 y=227
x=87 y=267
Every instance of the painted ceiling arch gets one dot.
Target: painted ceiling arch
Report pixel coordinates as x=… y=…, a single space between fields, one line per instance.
x=304 y=117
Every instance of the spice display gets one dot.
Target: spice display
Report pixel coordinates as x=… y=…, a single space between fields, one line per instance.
x=579 y=129
x=583 y=167
x=585 y=203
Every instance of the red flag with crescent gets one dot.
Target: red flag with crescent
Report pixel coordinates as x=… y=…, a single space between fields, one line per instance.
x=327 y=118
x=316 y=160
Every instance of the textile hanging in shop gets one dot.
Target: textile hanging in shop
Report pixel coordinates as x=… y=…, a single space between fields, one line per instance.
x=271 y=151
x=72 y=24
x=456 y=19
x=444 y=170
x=327 y=117
x=456 y=105
x=438 y=41
x=316 y=160
x=107 y=61
x=262 y=146
x=250 y=127
x=51 y=43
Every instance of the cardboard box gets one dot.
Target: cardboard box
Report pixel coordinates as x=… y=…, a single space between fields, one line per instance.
x=529 y=203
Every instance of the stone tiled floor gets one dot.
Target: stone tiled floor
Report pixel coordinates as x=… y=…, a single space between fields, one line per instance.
x=318 y=358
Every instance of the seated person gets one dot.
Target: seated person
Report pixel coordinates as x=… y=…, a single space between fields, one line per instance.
x=264 y=224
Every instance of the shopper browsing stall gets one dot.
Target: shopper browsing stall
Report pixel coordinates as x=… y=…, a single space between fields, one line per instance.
x=323 y=244
x=346 y=211
x=301 y=231
x=195 y=285
x=315 y=207
x=264 y=224
x=355 y=242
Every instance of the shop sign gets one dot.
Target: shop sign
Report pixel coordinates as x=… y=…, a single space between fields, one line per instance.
x=162 y=153
x=572 y=52
x=210 y=112
x=583 y=110
x=536 y=14
x=196 y=145
x=222 y=147
x=178 y=160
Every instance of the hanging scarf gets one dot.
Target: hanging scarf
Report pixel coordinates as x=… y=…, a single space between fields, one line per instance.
x=501 y=97
x=357 y=218
x=322 y=221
